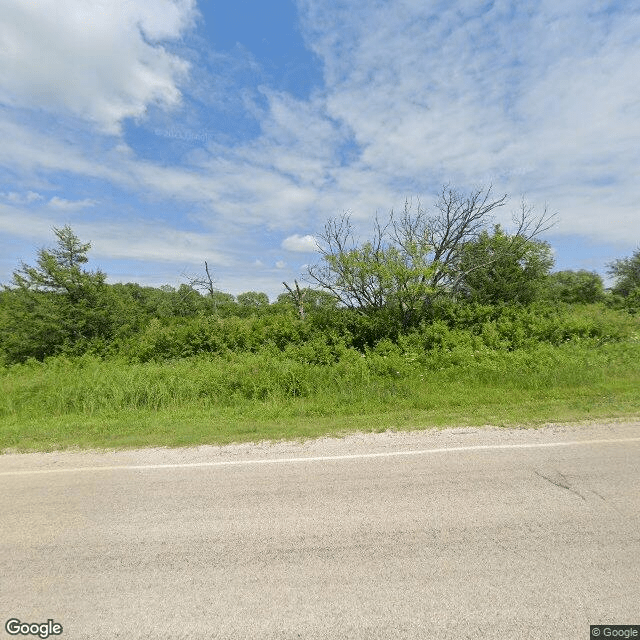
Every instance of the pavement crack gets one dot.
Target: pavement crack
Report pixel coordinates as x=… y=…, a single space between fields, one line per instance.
x=563 y=484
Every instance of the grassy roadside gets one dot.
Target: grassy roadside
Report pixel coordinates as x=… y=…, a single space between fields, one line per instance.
x=91 y=403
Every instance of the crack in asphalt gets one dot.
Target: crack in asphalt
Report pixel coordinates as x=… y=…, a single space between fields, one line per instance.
x=563 y=485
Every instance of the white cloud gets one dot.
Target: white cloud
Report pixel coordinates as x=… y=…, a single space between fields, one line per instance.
x=420 y=94
x=24 y=223
x=130 y=240
x=140 y=241
x=70 y=205
x=101 y=61
x=302 y=244
x=31 y=152
x=32 y=196
x=21 y=198
x=463 y=93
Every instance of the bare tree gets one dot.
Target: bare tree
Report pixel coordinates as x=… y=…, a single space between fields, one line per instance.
x=205 y=284
x=412 y=258
x=297 y=296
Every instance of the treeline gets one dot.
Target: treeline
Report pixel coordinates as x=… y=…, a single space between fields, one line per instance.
x=80 y=314
x=422 y=283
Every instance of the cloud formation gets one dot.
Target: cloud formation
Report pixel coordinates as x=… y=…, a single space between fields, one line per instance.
x=536 y=98
x=298 y=243
x=98 y=61
x=473 y=92
x=70 y=205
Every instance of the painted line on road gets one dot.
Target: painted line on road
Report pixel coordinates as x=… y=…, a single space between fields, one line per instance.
x=355 y=456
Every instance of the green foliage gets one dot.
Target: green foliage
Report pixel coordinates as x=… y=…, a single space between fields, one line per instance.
x=58 y=270
x=169 y=302
x=626 y=274
x=575 y=287
x=315 y=299
x=415 y=258
x=253 y=299
x=306 y=300
x=503 y=268
x=89 y=401
x=383 y=276
x=221 y=302
x=392 y=274
x=78 y=351
x=186 y=337
x=323 y=337
x=56 y=306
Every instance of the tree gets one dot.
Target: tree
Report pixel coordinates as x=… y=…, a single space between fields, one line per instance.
x=306 y=299
x=575 y=287
x=416 y=257
x=253 y=299
x=296 y=296
x=205 y=284
x=223 y=300
x=626 y=274
x=389 y=271
x=317 y=299
x=182 y=302
x=58 y=270
x=499 y=267
x=55 y=304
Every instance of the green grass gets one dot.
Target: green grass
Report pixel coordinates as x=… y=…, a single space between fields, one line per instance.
x=92 y=403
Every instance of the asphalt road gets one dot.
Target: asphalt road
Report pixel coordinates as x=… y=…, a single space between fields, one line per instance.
x=472 y=533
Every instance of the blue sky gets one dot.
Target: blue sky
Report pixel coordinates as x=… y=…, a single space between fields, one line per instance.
x=169 y=132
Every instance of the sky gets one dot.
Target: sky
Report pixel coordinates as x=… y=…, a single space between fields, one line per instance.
x=170 y=132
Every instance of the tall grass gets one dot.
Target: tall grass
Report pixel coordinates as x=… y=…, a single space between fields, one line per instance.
x=215 y=398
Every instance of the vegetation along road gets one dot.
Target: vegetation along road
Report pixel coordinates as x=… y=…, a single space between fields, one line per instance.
x=134 y=504
x=439 y=318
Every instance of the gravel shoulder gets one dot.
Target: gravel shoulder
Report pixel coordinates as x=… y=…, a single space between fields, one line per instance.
x=352 y=444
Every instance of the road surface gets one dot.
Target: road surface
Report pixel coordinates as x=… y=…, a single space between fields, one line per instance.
x=468 y=533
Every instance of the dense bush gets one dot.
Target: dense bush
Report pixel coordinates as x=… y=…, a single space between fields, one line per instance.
x=58 y=308
x=575 y=287
x=323 y=337
x=626 y=273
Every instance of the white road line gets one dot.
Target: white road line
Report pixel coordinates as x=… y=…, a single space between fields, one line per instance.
x=355 y=456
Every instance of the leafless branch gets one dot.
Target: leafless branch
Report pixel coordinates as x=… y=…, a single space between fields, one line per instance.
x=430 y=243
x=297 y=296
